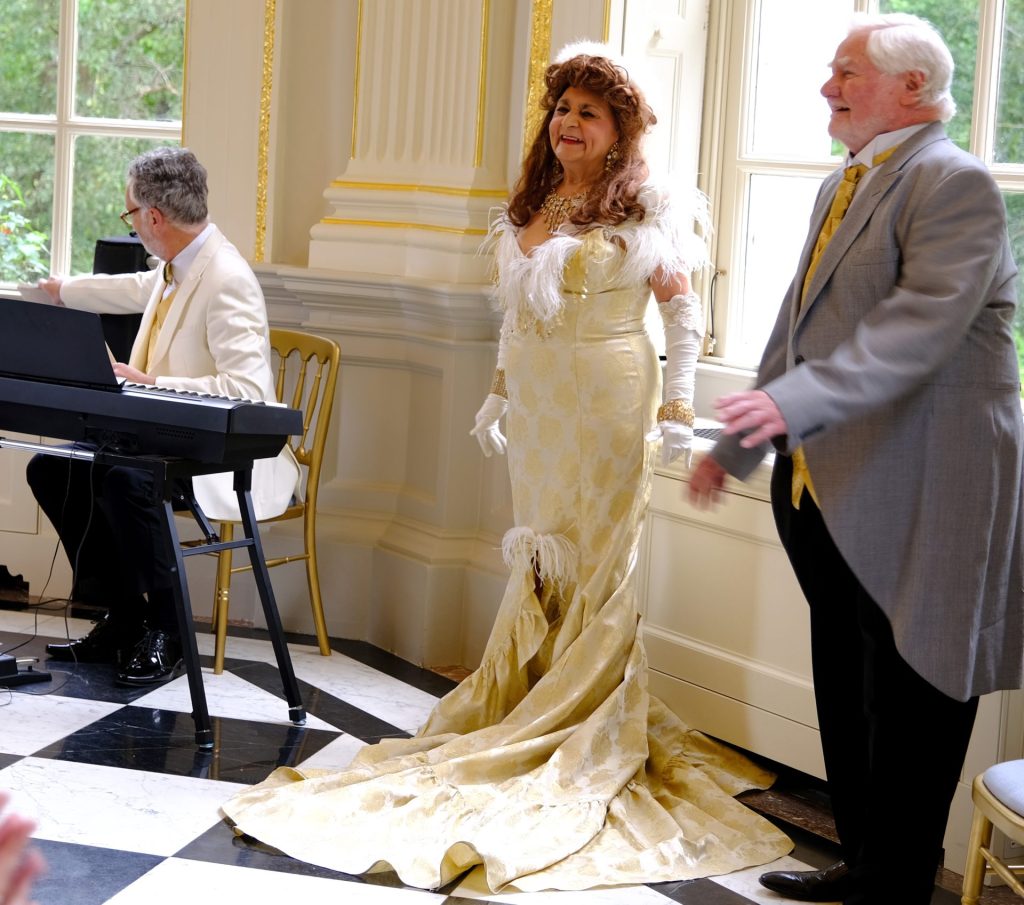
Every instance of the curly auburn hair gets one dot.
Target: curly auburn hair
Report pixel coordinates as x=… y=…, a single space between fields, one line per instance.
x=614 y=198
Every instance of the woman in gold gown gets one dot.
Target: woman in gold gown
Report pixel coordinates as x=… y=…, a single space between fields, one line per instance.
x=551 y=765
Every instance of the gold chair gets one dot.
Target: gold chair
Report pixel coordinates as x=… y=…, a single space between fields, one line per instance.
x=312 y=363
x=998 y=796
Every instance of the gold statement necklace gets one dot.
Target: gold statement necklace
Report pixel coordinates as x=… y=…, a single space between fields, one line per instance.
x=556 y=209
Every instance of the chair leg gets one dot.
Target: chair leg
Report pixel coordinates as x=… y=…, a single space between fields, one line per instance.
x=315 y=601
x=974 y=872
x=222 y=597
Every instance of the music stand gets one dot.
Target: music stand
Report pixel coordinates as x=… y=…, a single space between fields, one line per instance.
x=52 y=344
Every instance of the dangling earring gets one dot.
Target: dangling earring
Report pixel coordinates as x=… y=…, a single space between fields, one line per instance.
x=556 y=170
x=611 y=157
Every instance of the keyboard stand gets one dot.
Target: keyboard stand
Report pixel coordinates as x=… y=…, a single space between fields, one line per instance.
x=213 y=544
x=166 y=472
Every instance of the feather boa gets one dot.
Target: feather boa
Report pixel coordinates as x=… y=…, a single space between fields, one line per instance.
x=529 y=286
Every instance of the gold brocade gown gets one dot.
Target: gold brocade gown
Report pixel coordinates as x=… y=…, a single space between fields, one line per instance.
x=551 y=765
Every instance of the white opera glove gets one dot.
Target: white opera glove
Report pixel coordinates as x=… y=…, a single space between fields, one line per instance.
x=486 y=431
x=676 y=439
x=683 y=316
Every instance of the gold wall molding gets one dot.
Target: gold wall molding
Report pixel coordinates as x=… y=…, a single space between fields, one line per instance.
x=481 y=84
x=540 y=55
x=395 y=224
x=410 y=187
x=263 y=152
x=355 y=89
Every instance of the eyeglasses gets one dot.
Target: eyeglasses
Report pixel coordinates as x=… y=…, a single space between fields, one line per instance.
x=126 y=216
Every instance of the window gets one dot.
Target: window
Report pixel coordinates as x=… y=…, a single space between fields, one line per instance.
x=85 y=85
x=774 y=149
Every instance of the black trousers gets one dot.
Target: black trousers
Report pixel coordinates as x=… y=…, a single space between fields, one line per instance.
x=894 y=745
x=111 y=528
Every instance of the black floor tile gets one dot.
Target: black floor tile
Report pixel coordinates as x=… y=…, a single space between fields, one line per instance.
x=318 y=703
x=221 y=845
x=144 y=738
x=85 y=875
x=699 y=892
x=163 y=741
x=396 y=667
x=365 y=653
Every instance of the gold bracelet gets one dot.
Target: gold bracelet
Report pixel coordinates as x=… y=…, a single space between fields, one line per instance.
x=498 y=386
x=677 y=410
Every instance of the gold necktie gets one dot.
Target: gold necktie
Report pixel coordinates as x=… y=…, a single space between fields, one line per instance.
x=160 y=315
x=840 y=205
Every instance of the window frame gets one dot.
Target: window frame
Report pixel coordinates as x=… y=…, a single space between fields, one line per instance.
x=66 y=127
x=727 y=168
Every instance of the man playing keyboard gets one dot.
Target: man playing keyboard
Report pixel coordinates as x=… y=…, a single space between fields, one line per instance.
x=204 y=329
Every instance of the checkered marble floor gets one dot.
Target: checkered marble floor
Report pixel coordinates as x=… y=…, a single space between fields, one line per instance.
x=127 y=806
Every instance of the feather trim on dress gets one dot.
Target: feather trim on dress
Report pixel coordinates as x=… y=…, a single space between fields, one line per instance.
x=530 y=288
x=553 y=556
x=665 y=239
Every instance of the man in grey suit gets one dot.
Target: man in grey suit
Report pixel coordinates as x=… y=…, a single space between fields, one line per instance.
x=890 y=391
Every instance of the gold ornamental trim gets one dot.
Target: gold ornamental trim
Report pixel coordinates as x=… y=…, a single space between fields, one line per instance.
x=263 y=152
x=540 y=54
x=355 y=90
x=410 y=187
x=481 y=83
x=397 y=224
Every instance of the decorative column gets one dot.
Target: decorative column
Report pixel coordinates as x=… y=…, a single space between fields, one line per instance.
x=429 y=141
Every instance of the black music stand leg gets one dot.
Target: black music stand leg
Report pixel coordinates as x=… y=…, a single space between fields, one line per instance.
x=187 y=632
x=243 y=484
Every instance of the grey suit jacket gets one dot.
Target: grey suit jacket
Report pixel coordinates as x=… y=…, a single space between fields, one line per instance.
x=899 y=377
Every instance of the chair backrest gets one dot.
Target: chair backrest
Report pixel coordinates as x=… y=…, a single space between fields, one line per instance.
x=307 y=374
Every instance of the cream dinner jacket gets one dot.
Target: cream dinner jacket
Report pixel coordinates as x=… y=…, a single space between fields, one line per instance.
x=215 y=339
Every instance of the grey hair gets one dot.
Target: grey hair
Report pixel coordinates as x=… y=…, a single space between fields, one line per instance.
x=171 y=180
x=900 y=42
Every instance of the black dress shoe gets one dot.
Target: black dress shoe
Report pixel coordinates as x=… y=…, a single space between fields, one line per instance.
x=101 y=645
x=157 y=658
x=833 y=884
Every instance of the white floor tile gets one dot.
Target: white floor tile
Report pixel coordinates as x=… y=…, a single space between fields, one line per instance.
x=42 y=621
x=387 y=698
x=247 y=648
x=336 y=755
x=745 y=883
x=177 y=880
x=227 y=695
x=30 y=721
x=131 y=810
x=374 y=692
x=475 y=887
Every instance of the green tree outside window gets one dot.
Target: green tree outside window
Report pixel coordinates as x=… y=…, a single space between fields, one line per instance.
x=124 y=97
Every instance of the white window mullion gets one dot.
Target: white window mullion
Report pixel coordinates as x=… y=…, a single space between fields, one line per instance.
x=62 y=177
x=63 y=139
x=986 y=78
x=120 y=128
